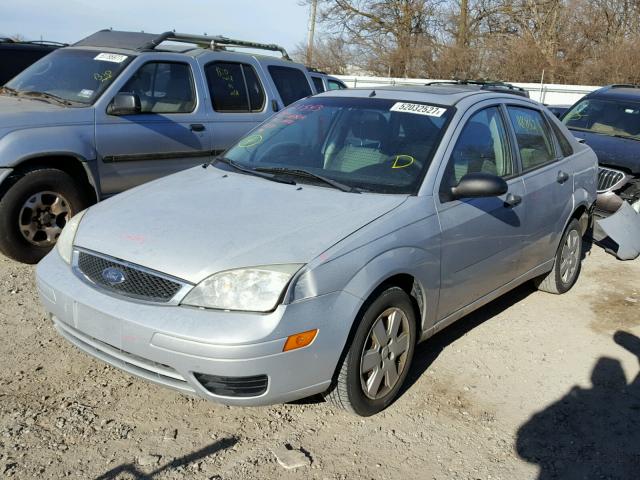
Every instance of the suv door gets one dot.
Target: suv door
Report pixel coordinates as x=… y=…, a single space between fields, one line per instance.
x=548 y=184
x=168 y=135
x=239 y=100
x=481 y=238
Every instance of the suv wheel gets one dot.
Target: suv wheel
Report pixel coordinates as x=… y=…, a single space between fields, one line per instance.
x=567 y=264
x=379 y=357
x=33 y=212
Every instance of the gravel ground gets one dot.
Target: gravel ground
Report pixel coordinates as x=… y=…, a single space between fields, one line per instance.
x=531 y=386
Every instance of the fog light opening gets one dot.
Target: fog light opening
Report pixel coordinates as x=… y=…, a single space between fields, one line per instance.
x=300 y=340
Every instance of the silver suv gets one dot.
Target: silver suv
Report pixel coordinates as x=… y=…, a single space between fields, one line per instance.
x=325 y=245
x=118 y=109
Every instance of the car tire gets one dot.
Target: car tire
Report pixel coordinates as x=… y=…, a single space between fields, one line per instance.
x=377 y=352
x=49 y=195
x=567 y=263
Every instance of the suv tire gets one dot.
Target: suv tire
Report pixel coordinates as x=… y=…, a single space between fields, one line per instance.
x=567 y=264
x=377 y=356
x=34 y=210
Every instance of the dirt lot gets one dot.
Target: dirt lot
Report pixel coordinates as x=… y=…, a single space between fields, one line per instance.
x=531 y=386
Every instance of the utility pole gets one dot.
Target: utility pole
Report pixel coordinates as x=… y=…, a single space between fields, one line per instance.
x=311 y=31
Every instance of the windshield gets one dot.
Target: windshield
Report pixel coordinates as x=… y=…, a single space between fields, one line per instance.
x=613 y=118
x=73 y=75
x=377 y=145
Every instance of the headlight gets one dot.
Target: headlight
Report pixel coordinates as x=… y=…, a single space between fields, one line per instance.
x=254 y=289
x=65 y=240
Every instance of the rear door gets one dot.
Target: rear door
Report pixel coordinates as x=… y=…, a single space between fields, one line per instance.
x=239 y=99
x=548 y=182
x=168 y=135
x=481 y=238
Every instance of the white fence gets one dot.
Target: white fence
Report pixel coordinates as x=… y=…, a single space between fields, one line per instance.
x=550 y=94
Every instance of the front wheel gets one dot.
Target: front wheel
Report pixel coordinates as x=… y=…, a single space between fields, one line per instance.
x=567 y=264
x=34 y=211
x=378 y=360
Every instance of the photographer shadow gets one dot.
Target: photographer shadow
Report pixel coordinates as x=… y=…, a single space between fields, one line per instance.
x=590 y=432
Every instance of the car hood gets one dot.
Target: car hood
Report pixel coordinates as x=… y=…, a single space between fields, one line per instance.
x=199 y=222
x=613 y=151
x=21 y=112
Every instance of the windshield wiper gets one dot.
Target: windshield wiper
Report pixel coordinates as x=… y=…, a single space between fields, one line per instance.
x=47 y=96
x=628 y=137
x=296 y=172
x=10 y=90
x=248 y=170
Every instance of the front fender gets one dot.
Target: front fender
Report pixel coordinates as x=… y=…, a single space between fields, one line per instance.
x=23 y=144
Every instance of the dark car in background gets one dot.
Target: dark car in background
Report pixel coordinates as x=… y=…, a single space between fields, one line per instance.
x=15 y=56
x=608 y=120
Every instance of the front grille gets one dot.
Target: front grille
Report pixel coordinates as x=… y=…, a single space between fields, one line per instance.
x=233 y=386
x=608 y=178
x=138 y=283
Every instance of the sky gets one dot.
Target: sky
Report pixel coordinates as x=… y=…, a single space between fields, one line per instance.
x=268 y=21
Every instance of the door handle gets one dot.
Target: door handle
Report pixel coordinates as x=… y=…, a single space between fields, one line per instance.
x=512 y=200
x=562 y=177
x=197 y=127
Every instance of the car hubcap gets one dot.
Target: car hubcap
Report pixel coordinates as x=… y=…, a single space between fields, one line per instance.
x=570 y=257
x=42 y=218
x=384 y=356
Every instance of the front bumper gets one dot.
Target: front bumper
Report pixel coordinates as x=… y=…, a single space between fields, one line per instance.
x=169 y=344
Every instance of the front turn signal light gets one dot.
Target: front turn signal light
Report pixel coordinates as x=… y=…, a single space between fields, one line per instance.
x=300 y=340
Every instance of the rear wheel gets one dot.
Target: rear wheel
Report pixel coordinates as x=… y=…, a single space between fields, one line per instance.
x=567 y=264
x=34 y=211
x=379 y=357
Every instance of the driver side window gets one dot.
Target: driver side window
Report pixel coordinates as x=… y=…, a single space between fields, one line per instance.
x=482 y=146
x=163 y=87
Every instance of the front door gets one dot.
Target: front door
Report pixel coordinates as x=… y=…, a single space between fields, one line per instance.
x=481 y=238
x=169 y=134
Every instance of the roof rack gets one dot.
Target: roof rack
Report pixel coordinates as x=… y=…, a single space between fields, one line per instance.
x=624 y=85
x=33 y=42
x=486 y=85
x=317 y=70
x=141 y=41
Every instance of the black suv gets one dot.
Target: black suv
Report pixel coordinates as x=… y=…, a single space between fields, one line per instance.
x=16 y=56
x=608 y=120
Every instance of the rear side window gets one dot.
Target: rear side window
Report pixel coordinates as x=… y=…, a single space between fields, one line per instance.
x=565 y=146
x=317 y=82
x=334 y=85
x=291 y=83
x=234 y=87
x=532 y=134
x=163 y=87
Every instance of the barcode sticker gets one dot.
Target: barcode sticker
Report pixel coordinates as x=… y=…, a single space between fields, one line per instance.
x=110 y=57
x=419 y=109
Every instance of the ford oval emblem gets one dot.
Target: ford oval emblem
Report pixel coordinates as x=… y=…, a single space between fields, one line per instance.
x=113 y=276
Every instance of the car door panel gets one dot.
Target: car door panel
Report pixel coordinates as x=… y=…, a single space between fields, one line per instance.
x=134 y=149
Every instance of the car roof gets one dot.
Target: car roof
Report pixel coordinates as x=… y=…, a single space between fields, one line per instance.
x=137 y=42
x=617 y=92
x=440 y=94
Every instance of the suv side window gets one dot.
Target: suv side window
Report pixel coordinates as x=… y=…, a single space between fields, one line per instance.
x=234 y=87
x=532 y=134
x=333 y=85
x=482 y=146
x=291 y=83
x=317 y=82
x=565 y=146
x=163 y=87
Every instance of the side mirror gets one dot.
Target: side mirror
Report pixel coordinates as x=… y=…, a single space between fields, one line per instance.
x=124 y=104
x=474 y=185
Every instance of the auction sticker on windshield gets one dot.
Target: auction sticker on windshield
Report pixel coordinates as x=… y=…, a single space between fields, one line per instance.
x=418 y=108
x=110 y=57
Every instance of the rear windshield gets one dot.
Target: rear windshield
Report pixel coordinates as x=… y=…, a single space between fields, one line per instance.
x=607 y=117
x=78 y=76
x=377 y=145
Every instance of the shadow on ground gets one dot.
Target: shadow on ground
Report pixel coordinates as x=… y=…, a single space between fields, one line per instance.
x=590 y=432
x=134 y=473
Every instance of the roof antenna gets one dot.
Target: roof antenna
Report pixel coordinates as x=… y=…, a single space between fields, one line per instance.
x=372 y=94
